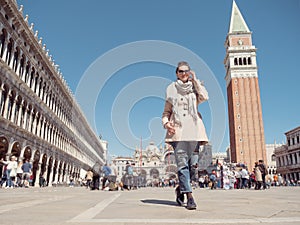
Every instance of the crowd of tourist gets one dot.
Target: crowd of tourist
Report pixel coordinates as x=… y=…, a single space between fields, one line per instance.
x=15 y=174
x=19 y=174
x=239 y=176
x=105 y=178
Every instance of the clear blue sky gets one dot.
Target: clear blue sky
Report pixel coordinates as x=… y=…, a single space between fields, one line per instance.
x=104 y=50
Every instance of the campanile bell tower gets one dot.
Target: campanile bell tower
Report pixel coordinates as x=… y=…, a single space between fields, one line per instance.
x=247 y=141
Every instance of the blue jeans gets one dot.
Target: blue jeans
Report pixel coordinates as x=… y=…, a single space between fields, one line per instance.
x=186 y=156
x=9 y=182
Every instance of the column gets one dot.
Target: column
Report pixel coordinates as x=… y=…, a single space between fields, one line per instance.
x=30 y=113
x=37 y=87
x=5 y=49
x=42 y=127
x=51 y=174
x=38 y=173
x=61 y=178
x=12 y=57
x=18 y=71
x=29 y=77
x=25 y=118
x=38 y=124
x=6 y=105
x=56 y=175
x=1 y=93
x=23 y=72
x=33 y=82
x=20 y=113
x=298 y=157
x=34 y=123
x=13 y=108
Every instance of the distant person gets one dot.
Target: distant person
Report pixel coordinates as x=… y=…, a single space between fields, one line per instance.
x=11 y=171
x=89 y=178
x=185 y=128
x=112 y=178
x=26 y=167
x=96 y=176
x=42 y=180
x=245 y=177
x=128 y=177
x=106 y=172
x=213 y=179
x=114 y=168
x=264 y=172
x=19 y=176
x=258 y=176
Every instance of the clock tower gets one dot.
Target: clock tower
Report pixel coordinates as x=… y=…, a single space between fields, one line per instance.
x=247 y=141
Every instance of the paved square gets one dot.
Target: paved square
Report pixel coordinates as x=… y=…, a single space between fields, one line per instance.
x=73 y=206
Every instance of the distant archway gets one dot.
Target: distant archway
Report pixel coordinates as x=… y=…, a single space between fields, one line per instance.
x=16 y=149
x=35 y=165
x=154 y=173
x=3 y=152
x=27 y=153
x=3 y=147
x=49 y=169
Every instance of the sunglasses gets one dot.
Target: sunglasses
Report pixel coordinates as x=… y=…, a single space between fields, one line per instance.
x=183 y=71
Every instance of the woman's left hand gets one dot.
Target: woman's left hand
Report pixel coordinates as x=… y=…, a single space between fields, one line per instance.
x=192 y=75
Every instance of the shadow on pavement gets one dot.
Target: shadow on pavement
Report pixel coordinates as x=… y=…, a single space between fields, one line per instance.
x=159 y=202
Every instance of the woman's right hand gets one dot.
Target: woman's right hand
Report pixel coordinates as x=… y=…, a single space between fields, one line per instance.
x=170 y=127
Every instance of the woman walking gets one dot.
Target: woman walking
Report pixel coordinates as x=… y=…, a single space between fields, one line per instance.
x=185 y=128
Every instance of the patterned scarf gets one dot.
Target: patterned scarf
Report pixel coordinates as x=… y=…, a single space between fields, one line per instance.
x=185 y=89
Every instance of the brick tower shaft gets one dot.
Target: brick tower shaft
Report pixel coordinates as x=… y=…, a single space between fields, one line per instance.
x=247 y=141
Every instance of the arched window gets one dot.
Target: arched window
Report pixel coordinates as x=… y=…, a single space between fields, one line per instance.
x=3 y=99
x=22 y=66
x=244 y=61
x=26 y=75
x=10 y=105
x=23 y=113
x=16 y=59
x=235 y=61
x=31 y=77
x=273 y=157
x=249 y=61
x=36 y=80
x=17 y=109
x=2 y=42
x=9 y=51
x=240 y=61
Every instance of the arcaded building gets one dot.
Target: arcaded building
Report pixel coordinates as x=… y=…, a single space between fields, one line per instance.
x=39 y=117
x=288 y=156
x=247 y=141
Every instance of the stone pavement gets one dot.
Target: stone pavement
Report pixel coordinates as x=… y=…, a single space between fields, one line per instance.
x=78 y=205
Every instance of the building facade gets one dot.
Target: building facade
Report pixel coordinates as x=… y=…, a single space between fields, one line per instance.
x=271 y=158
x=39 y=117
x=247 y=141
x=154 y=164
x=288 y=156
x=120 y=163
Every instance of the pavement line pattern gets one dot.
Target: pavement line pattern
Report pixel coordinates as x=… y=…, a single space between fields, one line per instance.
x=22 y=205
x=89 y=214
x=280 y=220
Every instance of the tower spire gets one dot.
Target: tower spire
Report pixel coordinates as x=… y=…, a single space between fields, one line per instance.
x=247 y=142
x=237 y=22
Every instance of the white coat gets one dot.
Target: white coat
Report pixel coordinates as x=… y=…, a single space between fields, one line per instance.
x=189 y=129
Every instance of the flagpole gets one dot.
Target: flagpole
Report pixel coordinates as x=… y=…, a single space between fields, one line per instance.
x=141 y=147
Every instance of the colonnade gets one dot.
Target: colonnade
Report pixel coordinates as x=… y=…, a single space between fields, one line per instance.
x=37 y=108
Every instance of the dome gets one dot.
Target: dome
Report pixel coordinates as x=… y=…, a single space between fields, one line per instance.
x=152 y=149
